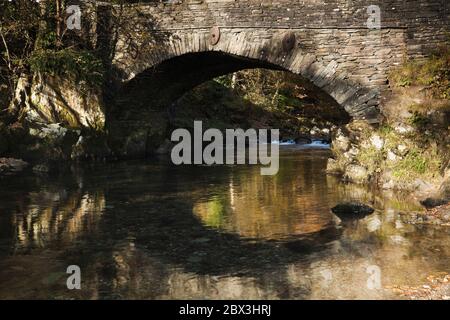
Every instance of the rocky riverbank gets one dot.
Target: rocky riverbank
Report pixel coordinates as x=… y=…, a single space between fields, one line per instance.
x=410 y=148
x=398 y=156
x=436 y=287
x=436 y=216
x=393 y=158
x=51 y=119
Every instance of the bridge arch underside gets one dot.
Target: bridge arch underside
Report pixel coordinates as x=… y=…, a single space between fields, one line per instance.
x=352 y=68
x=159 y=86
x=139 y=118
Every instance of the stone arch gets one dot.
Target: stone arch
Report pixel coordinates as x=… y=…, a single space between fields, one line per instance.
x=280 y=50
x=137 y=116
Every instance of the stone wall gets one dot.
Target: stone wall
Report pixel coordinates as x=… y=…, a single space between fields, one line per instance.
x=332 y=45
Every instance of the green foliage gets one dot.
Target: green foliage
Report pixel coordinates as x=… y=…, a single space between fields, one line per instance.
x=224 y=80
x=287 y=102
x=404 y=81
x=423 y=160
x=385 y=130
x=419 y=120
x=81 y=65
x=46 y=40
x=286 y=95
x=417 y=163
x=433 y=72
x=371 y=157
x=18 y=27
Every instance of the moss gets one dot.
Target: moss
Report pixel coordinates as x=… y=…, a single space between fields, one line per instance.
x=433 y=72
x=97 y=124
x=417 y=164
x=371 y=158
x=385 y=130
x=423 y=161
x=393 y=139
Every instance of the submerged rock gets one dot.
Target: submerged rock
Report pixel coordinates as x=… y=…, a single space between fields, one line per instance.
x=352 y=210
x=436 y=216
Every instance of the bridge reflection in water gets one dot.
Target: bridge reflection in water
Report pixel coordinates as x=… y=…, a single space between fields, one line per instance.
x=150 y=230
x=274 y=209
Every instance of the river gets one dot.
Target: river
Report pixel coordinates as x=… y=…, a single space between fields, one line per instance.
x=152 y=230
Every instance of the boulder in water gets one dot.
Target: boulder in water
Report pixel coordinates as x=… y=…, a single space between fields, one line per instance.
x=303 y=140
x=352 y=210
x=431 y=203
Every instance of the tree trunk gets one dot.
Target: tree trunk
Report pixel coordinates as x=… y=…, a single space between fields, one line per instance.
x=59 y=19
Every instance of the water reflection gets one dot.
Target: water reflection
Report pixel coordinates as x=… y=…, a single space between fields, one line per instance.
x=154 y=231
x=269 y=208
x=57 y=216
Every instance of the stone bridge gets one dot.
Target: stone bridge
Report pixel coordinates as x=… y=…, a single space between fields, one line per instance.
x=161 y=49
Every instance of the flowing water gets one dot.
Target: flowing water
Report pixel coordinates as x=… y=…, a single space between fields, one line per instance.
x=151 y=230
